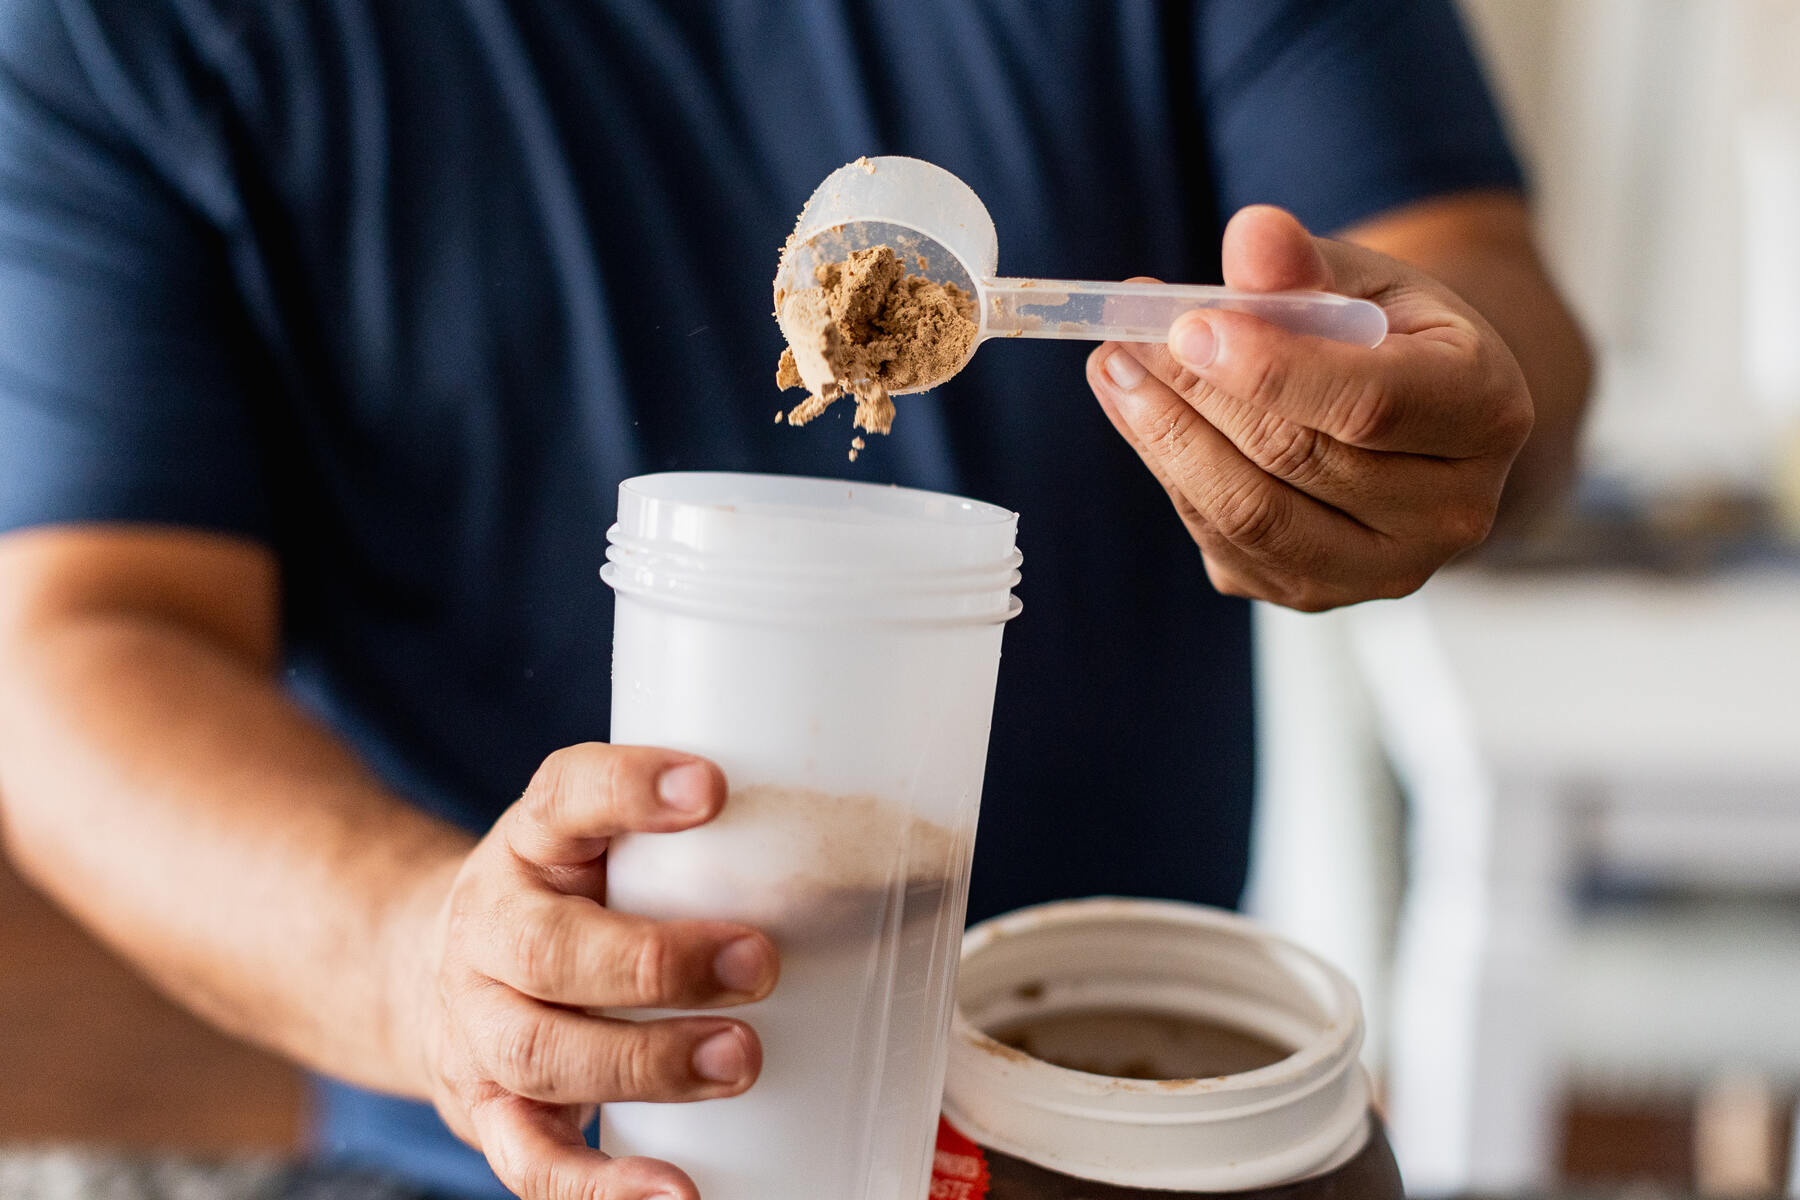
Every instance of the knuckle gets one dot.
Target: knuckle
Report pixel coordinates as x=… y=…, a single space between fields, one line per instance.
x=1309 y=596
x=1467 y=525
x=613 y=777
x=1370 y=415
x=1402 y=582
x=639 y=1068
x=518 y=1177
x=1267 y=380
x=527 y=1057
x=1287 y=449
x=1250 y=515
x=548 y=778
x=532 y=1180
x=458 y=1079
x=1227 y=583
x=549 y=783
x=546 y=1179
x=1495 y=375
x=1515 y=421
x=490 y=932
x=1189 y=385
x=1178 y=446
x=552 y=1181
x=596 y=1186
x=653 y=965
x=1167 y=435
x=1185 y=509
x=542 y=950
x=466 y=913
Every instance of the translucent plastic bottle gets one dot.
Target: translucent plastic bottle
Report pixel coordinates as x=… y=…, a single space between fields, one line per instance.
x=833 y=647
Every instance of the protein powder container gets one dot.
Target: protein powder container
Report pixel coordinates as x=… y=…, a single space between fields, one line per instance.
x=1104 y=1049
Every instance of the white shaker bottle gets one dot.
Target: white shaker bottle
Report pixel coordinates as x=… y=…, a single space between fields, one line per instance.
x=833 y=646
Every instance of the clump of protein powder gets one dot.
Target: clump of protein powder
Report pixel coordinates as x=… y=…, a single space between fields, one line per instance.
x=868 y=329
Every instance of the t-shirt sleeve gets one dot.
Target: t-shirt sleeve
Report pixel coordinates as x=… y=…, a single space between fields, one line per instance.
x=125 y=387
x=1341 y=109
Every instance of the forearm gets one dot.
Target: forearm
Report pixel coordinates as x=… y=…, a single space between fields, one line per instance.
x=1516 y=298
x=1480 y=245
x=167 y=794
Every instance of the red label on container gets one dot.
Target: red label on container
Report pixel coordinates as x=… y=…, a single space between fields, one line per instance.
x=959 y=1170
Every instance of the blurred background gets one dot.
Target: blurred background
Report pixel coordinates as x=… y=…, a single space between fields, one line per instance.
x=1547 y=812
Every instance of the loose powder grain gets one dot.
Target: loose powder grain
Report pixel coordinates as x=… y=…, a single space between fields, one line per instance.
x=868 y=329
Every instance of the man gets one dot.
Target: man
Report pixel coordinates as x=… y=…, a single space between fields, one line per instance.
x=330 y=329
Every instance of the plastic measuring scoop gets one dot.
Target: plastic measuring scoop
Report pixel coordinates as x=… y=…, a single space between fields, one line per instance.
x=940 y=229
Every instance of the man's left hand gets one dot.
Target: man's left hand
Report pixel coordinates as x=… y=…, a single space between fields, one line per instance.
x=1311 y=473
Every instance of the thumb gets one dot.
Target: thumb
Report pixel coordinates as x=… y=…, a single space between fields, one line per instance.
x=1266 y=249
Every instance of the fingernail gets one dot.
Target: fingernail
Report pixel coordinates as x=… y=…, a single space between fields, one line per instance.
x=1194 y=344
x=686 y=789
x=739 y=967
x=720 y=1058
x=1125 y=370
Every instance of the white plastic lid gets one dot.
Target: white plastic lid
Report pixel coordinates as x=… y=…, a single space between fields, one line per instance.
x=821 y=550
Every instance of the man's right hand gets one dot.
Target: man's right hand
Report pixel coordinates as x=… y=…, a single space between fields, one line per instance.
x=522 y=951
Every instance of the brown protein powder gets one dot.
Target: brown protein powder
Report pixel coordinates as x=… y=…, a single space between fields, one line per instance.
x=868 y=329
x=1137 y=1044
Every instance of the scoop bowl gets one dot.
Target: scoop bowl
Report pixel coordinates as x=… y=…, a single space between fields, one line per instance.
x=941 y=230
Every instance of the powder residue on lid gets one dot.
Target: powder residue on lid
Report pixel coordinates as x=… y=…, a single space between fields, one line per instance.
x=869 y=328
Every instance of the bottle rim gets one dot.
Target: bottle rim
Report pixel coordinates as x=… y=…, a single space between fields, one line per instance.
x=1298 y=1117
x=817 y=552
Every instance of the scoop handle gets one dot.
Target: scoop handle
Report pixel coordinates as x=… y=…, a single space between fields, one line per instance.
x=1142 y=312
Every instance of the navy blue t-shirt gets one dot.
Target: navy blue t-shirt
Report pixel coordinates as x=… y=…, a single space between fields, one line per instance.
x=404 y=288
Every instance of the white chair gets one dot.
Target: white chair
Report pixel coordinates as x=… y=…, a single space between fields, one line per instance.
x=1545 y=729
